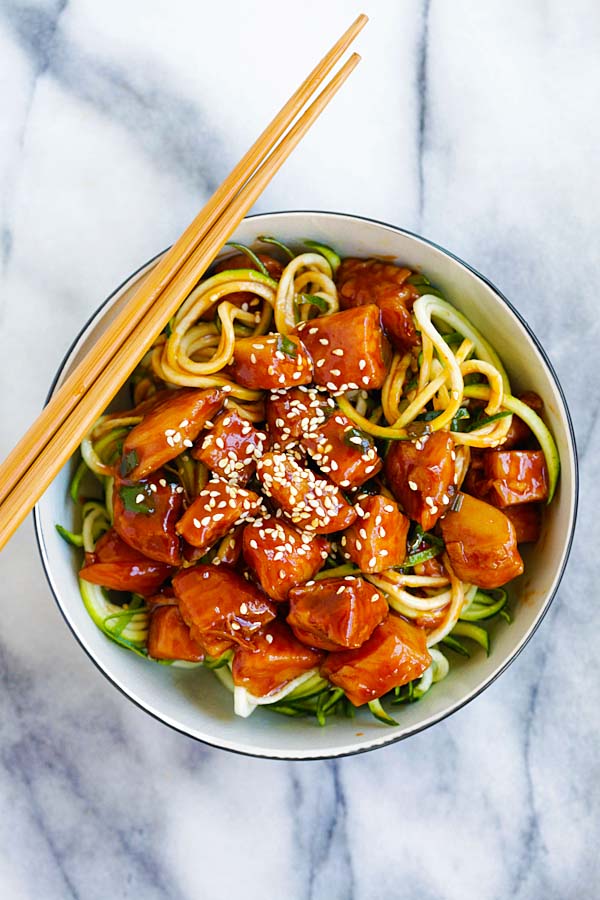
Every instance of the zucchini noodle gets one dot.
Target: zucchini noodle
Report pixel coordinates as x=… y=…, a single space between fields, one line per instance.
x=307 y=270
x=449 y=380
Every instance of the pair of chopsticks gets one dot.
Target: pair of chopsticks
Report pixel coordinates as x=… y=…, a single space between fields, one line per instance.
x=87 y=391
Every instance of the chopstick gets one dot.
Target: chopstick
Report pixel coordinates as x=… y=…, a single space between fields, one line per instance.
x=65 y=439
x=117 y=333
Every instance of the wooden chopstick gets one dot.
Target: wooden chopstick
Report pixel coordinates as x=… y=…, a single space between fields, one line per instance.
x=87 y=372
x=67 y=438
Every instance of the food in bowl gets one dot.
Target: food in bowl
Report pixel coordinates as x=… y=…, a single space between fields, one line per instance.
x=320 y=490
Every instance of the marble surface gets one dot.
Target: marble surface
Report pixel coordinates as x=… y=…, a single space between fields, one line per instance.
x=475 y=124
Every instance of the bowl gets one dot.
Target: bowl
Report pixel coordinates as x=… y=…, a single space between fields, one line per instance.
x=193 y=701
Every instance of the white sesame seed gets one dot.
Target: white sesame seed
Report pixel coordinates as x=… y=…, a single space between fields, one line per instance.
x=188 y=443
x=140 y=498
x=269 y=638
x=243 y=608
x=338 y=352
x=412 y=485
x=236 y=626
x=362 y=364
x=372 y=562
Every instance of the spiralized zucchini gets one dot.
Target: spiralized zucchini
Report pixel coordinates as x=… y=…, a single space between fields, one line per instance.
x=427 y=389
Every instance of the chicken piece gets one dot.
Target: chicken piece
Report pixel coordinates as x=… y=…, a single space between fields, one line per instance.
x=481 y=543
x=310 y=502
x=516 y=476
x=421 y=476
x=169 y=637
x=220 y=607
x=146 y=513
x=231 y=447
x=364 y=281
x=527 y=521
x=275 y=659
x=377 y=539
x=167 y=430
x=349 y=349
x=395 y=654
x=116 y=565
x=336 y=613
x=216 y=509
x=281 y=556
x=291 y=414
x=271 y=361
x=343 y=452
x=520 y=436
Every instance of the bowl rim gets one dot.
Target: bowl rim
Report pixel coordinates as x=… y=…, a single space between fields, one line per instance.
x=455 y=707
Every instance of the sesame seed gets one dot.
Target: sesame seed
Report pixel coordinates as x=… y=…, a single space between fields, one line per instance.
x=188 y=443
x=324 y=341
x=163 y=482
x=243 y=608
x=140 y=498
x=338 y=352
x=253 y=358
x=372 y=562
x=412 y=485
x=179 y=489
x=362 y=364
x=236 y=626
x=269 y=638
x=389 y=508
x=282 y=573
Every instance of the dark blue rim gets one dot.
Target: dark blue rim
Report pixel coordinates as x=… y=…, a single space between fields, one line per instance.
x=394 y=740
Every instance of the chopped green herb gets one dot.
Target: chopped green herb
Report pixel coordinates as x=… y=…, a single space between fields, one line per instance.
x=128 y=463
x=130 y=494
x=358 y=440
x=460 y=414
x=285 y=345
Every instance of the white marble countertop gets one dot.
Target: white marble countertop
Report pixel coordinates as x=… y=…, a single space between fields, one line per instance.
x=474 y=124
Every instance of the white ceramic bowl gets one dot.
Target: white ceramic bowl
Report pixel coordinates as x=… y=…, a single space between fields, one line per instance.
x=193 y=701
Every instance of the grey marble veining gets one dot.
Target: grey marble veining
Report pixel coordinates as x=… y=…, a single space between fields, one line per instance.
x=475 y=124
